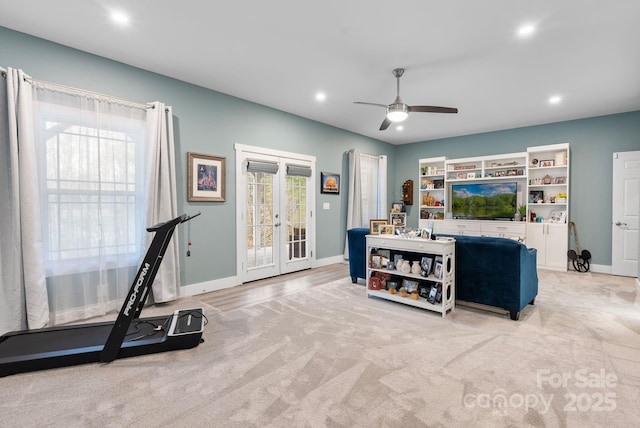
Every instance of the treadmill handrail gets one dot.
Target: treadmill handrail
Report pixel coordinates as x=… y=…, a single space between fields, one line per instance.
x=138 y=292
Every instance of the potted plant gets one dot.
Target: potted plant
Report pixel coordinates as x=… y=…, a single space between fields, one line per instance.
x=392 y=288
x=522 y=210
x=414 y=295
x=403 y=292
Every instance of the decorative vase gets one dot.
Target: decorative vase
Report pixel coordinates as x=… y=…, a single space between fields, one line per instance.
x=405 y=267
x=415 y=267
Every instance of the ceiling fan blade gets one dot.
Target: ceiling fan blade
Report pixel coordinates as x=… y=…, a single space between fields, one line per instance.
x=433 y=109
x=371 y=104
x=385 y=124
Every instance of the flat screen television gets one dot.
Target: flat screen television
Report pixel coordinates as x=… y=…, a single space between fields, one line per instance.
x=484 y=201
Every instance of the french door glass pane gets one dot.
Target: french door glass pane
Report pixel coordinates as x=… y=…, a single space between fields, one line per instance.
x=259 y=219
x=296 y=217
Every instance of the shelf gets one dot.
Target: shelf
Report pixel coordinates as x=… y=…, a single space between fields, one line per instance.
x=431 y=278
x=431 y=207
x=420 y=303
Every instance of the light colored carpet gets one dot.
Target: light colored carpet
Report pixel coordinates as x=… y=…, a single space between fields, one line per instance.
x=331 y=357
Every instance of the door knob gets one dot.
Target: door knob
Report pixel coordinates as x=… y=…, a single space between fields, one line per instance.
x=620 y=223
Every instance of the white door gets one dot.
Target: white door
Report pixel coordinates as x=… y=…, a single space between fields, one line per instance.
x=274 y=203
x=625 y=213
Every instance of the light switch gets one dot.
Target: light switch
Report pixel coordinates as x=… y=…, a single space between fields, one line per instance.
x=326 y=206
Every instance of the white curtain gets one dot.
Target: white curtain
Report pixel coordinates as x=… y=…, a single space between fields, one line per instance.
x=373 y=170
x=367 y=190
x=94 y=167
x=162 y=205
x=23 y=291
x=354 y=205
x=82 y=177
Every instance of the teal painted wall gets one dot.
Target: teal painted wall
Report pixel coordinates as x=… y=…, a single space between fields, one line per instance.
x=210 y=122
x=593 y=142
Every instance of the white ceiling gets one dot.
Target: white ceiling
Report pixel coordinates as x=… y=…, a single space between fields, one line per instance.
x=463 y=54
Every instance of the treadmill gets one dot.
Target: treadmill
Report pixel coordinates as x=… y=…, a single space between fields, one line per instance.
x=127 y=336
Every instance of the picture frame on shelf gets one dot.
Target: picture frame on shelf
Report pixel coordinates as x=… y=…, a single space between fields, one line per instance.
x=398 y=219
x=426 y=263
x=206 y=178
x=437 y=270
x=330 y=183
x=397 y=207
x=558 y=216
x=410 y=284
x=375 y=261
x=547 y=163
x=387 y=229
x=375 y=283
x=426 y=233
x=560 y=180
x=535 y=196
x=374 y=225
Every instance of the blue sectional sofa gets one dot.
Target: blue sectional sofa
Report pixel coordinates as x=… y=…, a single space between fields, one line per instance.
x=498 y=272
x=357 y=244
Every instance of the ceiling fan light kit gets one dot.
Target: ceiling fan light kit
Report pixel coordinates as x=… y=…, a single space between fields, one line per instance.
x=398 y=111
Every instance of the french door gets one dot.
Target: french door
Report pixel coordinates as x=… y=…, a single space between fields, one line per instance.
x=275 y=227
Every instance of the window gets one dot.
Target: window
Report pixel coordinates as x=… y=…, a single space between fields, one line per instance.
x=92 y=184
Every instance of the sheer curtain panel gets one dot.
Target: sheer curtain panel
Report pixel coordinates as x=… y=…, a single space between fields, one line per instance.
x=23 y=291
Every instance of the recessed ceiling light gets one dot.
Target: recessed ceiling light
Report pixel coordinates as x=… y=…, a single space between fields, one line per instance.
x=321 y=96
x=556 y=99
x=399 y=127
x=526 y=30
x=120 y=17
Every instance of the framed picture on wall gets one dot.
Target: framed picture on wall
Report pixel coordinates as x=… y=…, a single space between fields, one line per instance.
x=329 y=183
x=206 y=178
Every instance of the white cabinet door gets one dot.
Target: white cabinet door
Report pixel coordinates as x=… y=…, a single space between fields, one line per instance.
x=551 y=242
x=536 y=239
x=557 y=241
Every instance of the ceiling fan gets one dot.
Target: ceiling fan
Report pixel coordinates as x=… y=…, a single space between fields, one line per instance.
x=398 y=111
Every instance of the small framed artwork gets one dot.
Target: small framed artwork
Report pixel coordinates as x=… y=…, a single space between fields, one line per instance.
x=547 y=162
x=376 y=261
x=205 y=178
x=560 y=180
x=329 y=183
x=374 y=225
x=425 y=233
x=398 y=219
x=410 y=284
x=425 y=264
x=535 y=196
x=437 y=270
x=387 y=229
x=397 y=207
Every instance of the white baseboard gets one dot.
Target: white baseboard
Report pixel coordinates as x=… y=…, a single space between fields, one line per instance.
x=599 y=268
x=330 y=261
x=232 y=281
x=208 y=286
